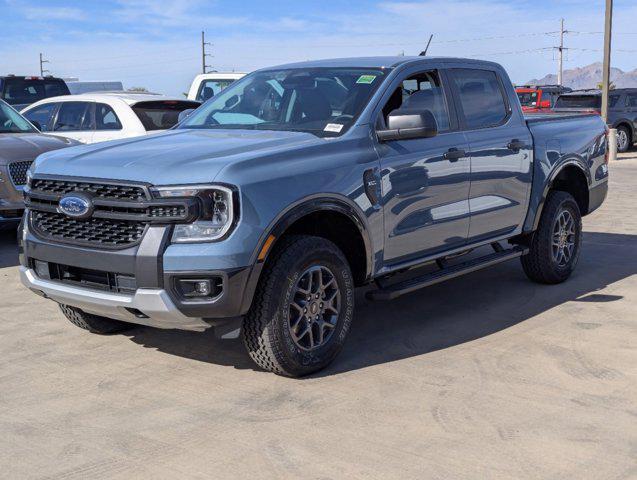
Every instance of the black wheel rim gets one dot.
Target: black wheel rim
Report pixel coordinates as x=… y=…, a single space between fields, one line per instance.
x=314 y=308
x=563 y=241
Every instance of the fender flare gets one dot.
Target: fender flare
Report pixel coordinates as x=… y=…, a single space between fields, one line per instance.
x=296 y=211
x=551 y=178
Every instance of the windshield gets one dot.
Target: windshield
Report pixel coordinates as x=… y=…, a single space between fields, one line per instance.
x=12 y=122
x=579 y=101
x=322 y=101
x=528 y=99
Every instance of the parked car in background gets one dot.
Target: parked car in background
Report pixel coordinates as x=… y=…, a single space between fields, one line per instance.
x=97 y=117
x=537 y=98
x=76 y=87
x=622 y=110
x=266 y=207
x=20 y=144
x=20 y=92
x=207 y=85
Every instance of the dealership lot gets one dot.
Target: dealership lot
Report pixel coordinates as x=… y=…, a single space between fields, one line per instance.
x=484 y=376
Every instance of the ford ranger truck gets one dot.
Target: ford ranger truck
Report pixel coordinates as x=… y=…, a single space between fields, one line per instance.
x=263 y=210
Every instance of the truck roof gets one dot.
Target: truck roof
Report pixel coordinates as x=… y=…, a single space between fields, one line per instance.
x=378 y=62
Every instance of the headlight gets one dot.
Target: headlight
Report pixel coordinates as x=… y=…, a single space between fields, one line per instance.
x=217 y=212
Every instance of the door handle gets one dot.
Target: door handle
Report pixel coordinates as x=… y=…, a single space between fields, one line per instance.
x=453 y=154
x=515 y=144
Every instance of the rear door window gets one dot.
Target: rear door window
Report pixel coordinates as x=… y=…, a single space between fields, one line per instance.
x=73 y=117
x=632 y=100
x=161 y=115
x=105 y=118
x=481 y=97
x=41 y=116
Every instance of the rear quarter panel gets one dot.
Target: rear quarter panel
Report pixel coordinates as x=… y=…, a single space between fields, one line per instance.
x=561 y=141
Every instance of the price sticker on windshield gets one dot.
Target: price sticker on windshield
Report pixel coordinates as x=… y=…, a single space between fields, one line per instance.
x=366 y=79
x=333 y=127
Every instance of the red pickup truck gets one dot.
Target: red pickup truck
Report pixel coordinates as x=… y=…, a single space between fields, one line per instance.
x=536 y=98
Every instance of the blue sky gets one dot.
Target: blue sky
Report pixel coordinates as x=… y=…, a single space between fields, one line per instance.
x=155 y=43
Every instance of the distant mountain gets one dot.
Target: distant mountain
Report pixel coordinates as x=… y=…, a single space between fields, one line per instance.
x=589 y=77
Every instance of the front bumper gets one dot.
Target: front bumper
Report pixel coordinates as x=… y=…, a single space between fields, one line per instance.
x=155 y=300
x=148 y=306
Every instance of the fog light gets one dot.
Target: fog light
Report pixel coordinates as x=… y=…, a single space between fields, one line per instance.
x=202 y=288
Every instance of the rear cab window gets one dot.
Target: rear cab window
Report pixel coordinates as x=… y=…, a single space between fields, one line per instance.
x=480 y=96
x=579 y=101
x=161 y=114
x=27 y=90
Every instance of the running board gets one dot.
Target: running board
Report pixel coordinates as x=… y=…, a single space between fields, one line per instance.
x=447 y=272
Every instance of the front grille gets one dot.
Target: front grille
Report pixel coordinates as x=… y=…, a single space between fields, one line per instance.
x=93 y=231
x=18 y=172
x=119 y=217
x=101 y=190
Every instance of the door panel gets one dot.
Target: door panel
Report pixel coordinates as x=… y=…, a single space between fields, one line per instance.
x=425 y=196
x=424 y=181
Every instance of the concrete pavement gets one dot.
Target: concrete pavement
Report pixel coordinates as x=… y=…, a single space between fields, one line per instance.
x=485 y=376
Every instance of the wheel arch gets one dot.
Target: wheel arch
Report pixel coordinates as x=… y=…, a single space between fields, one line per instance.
x=299 y=218
x=571 y=177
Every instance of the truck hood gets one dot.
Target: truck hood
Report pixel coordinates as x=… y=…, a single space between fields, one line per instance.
x=173 y=157
x=27 y=146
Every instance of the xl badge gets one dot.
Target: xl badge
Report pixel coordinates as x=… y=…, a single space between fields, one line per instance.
x=76 y=206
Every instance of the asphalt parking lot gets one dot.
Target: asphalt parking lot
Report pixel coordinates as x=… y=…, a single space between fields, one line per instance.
x=485 y=376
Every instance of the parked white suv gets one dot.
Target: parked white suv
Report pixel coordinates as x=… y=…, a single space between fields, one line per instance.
x=97 y=117
x=207 y=85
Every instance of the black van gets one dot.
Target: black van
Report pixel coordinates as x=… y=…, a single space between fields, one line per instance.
x=20 y=92
x=622 y=110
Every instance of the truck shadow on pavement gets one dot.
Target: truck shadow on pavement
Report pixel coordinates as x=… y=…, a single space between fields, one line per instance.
x=438 y=317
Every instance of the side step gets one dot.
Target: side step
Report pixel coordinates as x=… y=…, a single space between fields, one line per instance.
x=445 y=273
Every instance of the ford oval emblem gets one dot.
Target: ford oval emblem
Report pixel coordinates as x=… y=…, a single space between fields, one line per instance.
x=76 y=206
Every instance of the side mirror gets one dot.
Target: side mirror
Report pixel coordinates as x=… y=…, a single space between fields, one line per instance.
x=184 y=114
x=406 y=124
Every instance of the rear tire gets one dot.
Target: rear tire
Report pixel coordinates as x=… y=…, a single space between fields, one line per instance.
x=556 y=244
x=302 y=309
x=93 y=323
x=624 y=139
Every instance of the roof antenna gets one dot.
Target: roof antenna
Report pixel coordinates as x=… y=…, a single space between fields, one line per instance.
x=424 y=52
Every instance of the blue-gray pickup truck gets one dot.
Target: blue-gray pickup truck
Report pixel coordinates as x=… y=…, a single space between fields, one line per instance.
x=262 y=210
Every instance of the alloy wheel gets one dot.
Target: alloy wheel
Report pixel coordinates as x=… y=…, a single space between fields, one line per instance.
x=314 y=308
x=563 y=241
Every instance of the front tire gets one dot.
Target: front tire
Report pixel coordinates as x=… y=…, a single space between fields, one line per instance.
x=556 y=245
x=93 y=323
x=303 y=307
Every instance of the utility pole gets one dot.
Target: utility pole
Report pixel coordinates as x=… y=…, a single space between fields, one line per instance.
x=561 y=54
x=608 y=27
x=42 y=69
x=203 y=52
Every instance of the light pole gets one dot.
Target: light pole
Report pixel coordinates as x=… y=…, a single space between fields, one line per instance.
x=608 y=26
